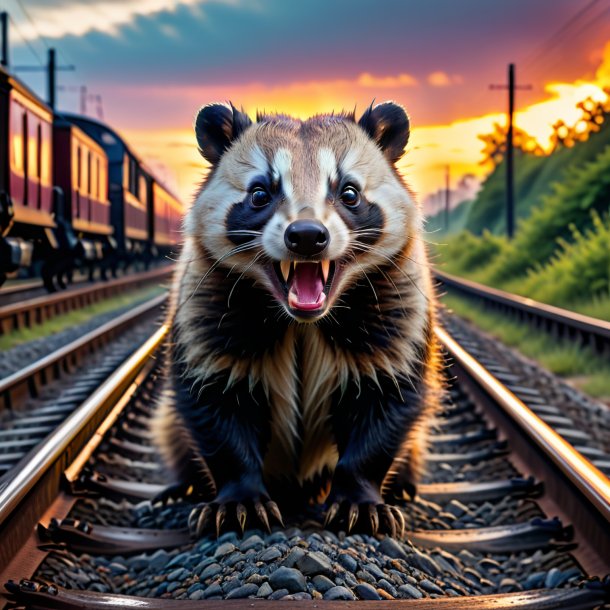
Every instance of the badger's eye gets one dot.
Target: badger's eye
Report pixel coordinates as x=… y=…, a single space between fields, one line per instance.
x=350 y=197
x=259 y=197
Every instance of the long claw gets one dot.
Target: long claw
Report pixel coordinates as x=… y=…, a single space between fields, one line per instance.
x=261 y=513
x=400 y=519
x=374 y=518
x=275 y=511
x=221 y=513
x=352 y=517
x=202 y=519
x=389 y=519
x=242 y=514
x=332 y=513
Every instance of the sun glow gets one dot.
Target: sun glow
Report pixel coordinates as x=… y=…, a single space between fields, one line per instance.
x=430 y=148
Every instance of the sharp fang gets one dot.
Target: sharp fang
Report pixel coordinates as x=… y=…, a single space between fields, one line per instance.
x=285 y=267
x=325 y=268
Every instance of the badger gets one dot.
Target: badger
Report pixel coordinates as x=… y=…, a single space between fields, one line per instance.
x=302 y=368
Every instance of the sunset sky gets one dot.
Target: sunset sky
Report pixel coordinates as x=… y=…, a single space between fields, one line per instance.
x=154 y=62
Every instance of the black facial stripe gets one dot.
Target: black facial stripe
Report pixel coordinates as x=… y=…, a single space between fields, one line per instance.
x=243 y=217
x=367 y=220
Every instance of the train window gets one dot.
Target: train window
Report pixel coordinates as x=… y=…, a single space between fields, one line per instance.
x=78 y=180
x=39 y=164
x=95 y=177
x=24 y=131
x=85 y=172
x=88 y=172
x=103 y=182
x=126 y=172
x=143 y=184
x=33 y=152
x=17 y=138
x=45 y=154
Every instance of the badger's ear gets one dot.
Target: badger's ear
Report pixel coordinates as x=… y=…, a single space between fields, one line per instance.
x=388 y=125
x=216 y=127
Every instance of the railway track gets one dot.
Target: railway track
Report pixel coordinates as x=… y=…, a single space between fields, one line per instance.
x=19 y=309
x=561 y=323
x=509 y=516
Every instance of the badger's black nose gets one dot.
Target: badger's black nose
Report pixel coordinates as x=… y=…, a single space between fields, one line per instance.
x=306 y=237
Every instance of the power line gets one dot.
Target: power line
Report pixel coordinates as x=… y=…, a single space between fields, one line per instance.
x=45 y=42
x=559 y=35
x=574 y=35
x=33 y=24
x=26 y=41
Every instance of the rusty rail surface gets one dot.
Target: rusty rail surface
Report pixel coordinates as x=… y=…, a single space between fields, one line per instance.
x=25 y=383
x=561 y=323
x=31 y=312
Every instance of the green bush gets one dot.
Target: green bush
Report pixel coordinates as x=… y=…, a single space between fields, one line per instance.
x=584 y=190
x=467 y=252
x=580 y=268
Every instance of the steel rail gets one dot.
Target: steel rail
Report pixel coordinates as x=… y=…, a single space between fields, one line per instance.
x=23 y=382
x=562 y=322
x=593 y=487
x=37 y=481
x=29 y=313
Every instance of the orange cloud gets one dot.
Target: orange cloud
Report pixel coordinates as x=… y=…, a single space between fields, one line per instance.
x=442 y=79
x=386 y=82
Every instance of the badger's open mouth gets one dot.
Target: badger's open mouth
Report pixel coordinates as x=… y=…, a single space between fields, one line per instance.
x=305 y=284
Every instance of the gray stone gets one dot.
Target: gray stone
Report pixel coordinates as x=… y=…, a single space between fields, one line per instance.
x=314 y=563
x=375 y=570
x=231 y=584
x=243 y=591
x=388 y=546
x=430 y=587
x=253 y=542
x=264 y=590
x=224 y=549
x=197 y=594
x=279 y=594
x=348 y=562
x=387 y=587
x=210 y=571
x=366 y=591
x=339 y=593
x=288 y=578
x=410 y=591
x=270 y=554
x=322 y=583
x=178 y=574
x=295 y=554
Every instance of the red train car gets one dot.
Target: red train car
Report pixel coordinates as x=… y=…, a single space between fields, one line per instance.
x=81 y=172
x=167 y=218
x=26 y=188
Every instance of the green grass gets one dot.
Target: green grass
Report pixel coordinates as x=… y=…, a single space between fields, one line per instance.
x=578 y=365
x=76 y=317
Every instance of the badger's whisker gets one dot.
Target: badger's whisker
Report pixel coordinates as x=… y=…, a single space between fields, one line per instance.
x=256 y=258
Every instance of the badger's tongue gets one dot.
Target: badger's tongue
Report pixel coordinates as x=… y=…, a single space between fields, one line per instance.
x=306 y=289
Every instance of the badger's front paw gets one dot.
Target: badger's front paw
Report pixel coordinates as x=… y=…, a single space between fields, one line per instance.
x=234 y=505
x=361 y=507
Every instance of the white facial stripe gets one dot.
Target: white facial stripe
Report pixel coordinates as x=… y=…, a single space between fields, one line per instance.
x=354 y=164
x=282 y=169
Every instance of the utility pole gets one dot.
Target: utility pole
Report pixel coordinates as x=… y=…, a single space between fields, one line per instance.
x=83 y=100
x=4 y=28
x=51 y=69
x=510 y=163
x=447 y=196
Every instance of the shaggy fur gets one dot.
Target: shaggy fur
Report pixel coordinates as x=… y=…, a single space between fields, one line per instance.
x=262 y=403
